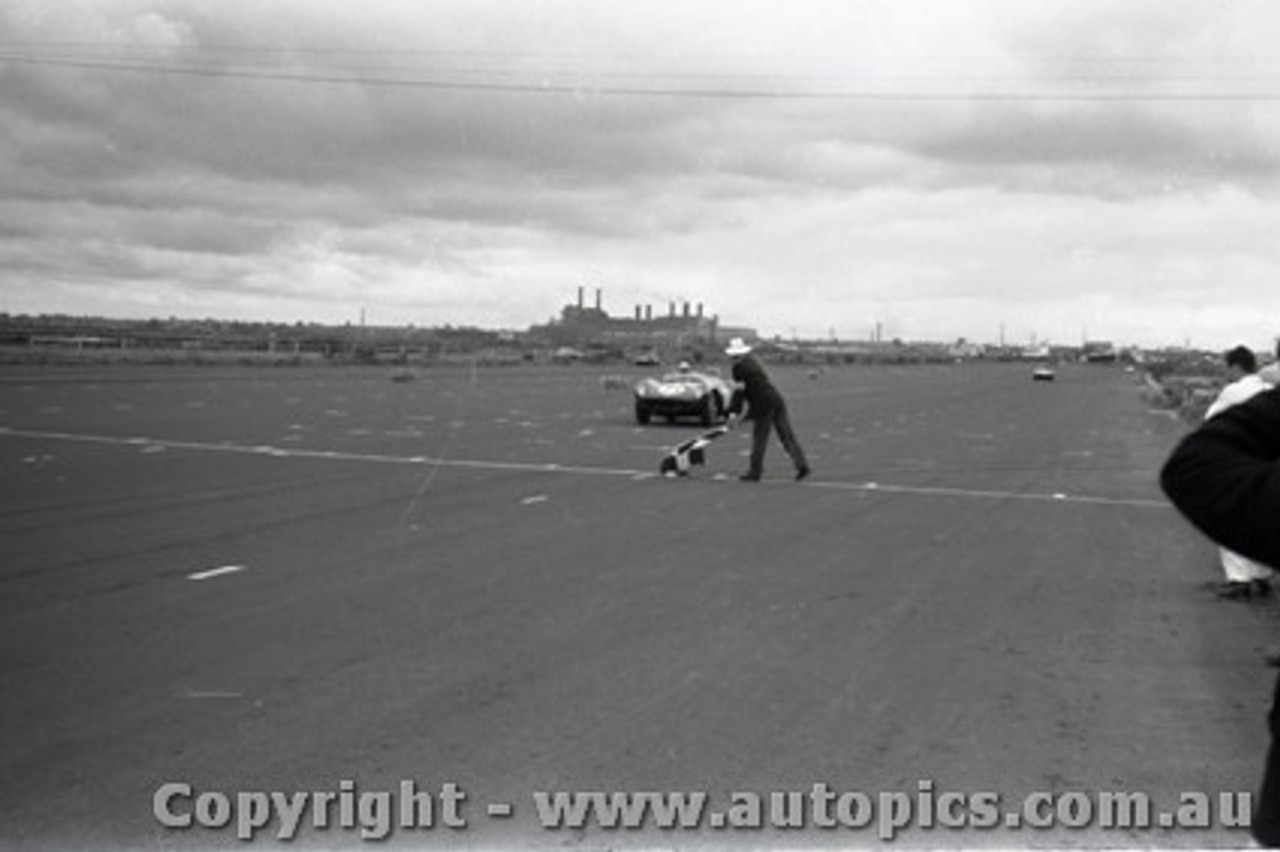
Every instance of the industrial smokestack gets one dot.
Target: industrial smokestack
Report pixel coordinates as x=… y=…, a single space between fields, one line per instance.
x=672 y=312
x=599 y=299
x=648 y=312
x=686 y=310
x=699 y=310
x=582 y=295
x=637 y=313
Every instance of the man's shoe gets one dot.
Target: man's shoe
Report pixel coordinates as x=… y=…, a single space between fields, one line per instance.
x=802 y=472
x=749 y=477
x=1235 y=590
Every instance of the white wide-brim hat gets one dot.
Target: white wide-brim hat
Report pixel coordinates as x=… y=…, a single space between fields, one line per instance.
x=737 y=346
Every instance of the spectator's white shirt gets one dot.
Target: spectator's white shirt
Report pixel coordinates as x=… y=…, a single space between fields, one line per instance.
x=1236 y=393
x=1271 y=373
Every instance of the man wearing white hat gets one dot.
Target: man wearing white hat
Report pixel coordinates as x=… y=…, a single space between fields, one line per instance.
x=766 y=407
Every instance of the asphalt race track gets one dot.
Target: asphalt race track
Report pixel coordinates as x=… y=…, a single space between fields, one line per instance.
x=290 y=580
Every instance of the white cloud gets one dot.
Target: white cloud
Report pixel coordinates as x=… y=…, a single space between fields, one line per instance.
x=941 y=166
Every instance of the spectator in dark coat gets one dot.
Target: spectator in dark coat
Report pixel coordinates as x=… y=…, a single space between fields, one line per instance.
x=1245 y=578
x=765 y=407
x=1225 y=478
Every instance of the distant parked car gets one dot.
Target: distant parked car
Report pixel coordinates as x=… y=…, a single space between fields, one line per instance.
x=646 y=359
x=1044 y=374
x=684 y=393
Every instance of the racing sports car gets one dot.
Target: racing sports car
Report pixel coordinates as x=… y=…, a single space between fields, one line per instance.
x=686 y=393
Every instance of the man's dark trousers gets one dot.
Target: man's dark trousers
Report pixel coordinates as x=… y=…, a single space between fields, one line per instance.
x=774 y=418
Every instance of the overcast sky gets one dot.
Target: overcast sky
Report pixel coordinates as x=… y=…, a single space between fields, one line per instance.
x=945 y=168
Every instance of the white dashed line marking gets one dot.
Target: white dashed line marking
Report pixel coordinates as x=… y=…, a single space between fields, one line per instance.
x=216 y=572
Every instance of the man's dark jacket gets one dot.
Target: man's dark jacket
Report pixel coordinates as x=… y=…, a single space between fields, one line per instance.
x=761 y=396
x=1225 y=477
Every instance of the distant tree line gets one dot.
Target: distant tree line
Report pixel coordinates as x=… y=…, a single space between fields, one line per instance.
x=348 y=341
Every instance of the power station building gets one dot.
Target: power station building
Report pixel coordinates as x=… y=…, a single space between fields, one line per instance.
x=684 y=327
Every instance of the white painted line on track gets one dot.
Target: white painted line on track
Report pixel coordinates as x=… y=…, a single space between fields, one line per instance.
x=552 y=467
x=1032 y=496
x=216 y=572
x=537 y=498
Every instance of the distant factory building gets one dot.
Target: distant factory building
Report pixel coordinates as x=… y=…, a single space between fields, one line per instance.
x=1099 y=352
x=682 y=327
